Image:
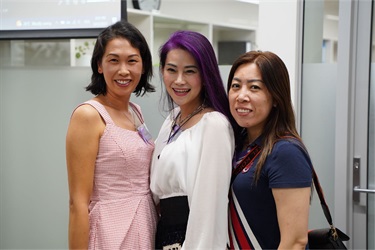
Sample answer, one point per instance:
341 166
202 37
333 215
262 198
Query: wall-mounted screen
58 18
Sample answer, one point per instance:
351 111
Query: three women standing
109 151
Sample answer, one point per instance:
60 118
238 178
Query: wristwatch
148 5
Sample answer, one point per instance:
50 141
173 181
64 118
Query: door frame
352 117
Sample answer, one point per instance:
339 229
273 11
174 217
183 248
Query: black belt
174 210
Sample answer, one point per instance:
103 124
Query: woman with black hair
108 149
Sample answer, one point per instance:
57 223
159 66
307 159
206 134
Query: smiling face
121 66
182 79
249 99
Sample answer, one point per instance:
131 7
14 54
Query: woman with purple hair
191 165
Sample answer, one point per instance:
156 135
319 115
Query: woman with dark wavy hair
270 192
108 149
191 164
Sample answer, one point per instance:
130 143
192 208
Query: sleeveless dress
122 214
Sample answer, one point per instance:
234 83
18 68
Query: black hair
121 29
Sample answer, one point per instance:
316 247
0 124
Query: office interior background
327 45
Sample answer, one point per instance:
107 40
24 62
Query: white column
279 32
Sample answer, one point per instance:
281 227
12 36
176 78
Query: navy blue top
288 166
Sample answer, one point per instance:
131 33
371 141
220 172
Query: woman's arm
208 194
292 205
82 142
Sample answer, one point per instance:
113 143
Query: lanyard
245 161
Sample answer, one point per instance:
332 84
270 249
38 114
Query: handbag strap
317 185
250 156
323 202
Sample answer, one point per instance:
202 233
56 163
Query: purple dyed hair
213 91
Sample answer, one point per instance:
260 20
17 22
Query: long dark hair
122 29
213 91
281 120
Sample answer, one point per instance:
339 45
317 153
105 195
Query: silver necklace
177 127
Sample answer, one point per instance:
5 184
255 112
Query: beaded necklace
175 129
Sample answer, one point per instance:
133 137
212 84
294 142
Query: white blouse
197 163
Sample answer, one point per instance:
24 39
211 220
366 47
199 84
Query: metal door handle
363 190
356 181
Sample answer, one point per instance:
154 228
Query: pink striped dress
122 213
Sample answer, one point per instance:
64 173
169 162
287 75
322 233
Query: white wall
279 32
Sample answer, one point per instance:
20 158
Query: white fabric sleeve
208 184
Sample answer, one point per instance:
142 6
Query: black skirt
171 229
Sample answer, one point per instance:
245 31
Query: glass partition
318 99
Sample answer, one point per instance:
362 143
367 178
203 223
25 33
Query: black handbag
325 238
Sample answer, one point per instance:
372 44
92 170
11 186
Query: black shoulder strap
245 161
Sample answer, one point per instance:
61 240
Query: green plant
84 49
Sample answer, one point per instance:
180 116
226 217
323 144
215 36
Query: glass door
318 99
338 112
363 199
